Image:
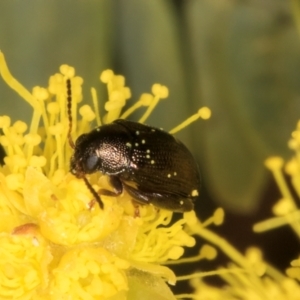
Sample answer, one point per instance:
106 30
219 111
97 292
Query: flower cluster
249 277
56 243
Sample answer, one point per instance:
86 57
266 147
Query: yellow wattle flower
248 276
21 275
56 243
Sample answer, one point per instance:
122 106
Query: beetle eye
91 163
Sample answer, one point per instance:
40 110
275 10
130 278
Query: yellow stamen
96 106
15 85
210 273
217 218
275 164
145 100
272 223
203 113
206 252
159 92
82 243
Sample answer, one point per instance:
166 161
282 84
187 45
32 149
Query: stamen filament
131 109
210 273
149 109
96 106
276 222
16 86
203 113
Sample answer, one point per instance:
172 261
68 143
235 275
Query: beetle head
84 159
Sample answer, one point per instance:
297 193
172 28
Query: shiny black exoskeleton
149 163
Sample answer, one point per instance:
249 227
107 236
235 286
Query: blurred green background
240 58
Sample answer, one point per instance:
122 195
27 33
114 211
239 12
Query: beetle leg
116 184
136 209
137 200
138 196
107 193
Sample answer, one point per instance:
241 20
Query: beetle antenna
94 193
69 111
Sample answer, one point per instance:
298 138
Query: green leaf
246 65
48 34
149 47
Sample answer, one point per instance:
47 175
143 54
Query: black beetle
147 162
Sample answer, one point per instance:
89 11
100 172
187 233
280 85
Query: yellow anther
283 207
40 93
87 113
56 84
56 129
295 263
185 239
294 273
218 216
116 96
292 167
208 252
77 94
118 81
76 86
255 257
160 91
53 108
293 144
116 101
126 92
37 161
4 121
254 254
190 218
77 81
107 268
20 127
175 252
296 135
204 113
106 76
274 163
4 141
32 139
14 181
146 99
68 71
114 104
16 139
15 161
